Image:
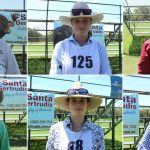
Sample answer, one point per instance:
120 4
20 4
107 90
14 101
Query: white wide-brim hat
95 18
61 102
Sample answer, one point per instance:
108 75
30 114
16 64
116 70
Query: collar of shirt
73 40
86 126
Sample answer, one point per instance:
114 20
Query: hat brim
94 102
67 19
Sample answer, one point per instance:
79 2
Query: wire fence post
113 124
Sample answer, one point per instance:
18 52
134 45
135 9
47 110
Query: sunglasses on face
77 92
77 12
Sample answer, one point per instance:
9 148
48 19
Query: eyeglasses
77 91
76 12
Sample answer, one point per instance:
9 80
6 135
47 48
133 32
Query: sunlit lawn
130 64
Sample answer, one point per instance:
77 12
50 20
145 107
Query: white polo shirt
8 63
71 58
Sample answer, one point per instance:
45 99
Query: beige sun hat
96 18
94 101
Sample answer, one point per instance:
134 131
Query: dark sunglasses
77 91
76 12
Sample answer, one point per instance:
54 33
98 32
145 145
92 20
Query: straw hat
61 102
4 21
96 18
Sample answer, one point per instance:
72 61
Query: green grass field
130 64
39 48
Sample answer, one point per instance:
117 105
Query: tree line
138 14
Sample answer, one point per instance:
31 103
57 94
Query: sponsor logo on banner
18 33
130 114
40 109
116 87
14 93
98 32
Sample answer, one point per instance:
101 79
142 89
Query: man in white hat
8 63
77 133
80 54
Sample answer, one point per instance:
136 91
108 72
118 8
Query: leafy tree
34 35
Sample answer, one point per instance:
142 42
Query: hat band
77 12
81 91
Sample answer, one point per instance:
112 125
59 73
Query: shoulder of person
97 42
2 42
61 43
95 127
56 125
4 45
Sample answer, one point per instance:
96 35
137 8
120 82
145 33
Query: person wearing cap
144 144
80 53
4 140
77 132
144 62
8 63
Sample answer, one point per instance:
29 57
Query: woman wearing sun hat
77 133
80 53
8 63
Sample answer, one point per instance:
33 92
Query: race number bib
82 61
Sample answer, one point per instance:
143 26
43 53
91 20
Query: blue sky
42 5
11 4
138 84
67 7
129 83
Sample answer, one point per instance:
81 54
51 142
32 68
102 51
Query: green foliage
38 144
37 66
17 134
127 39
136 45
138 14
114 63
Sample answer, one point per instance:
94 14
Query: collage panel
74 112
42 107
60 42
136 37
13 37
136 112
13 114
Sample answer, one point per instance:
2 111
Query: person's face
5 28
78 106
81 26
